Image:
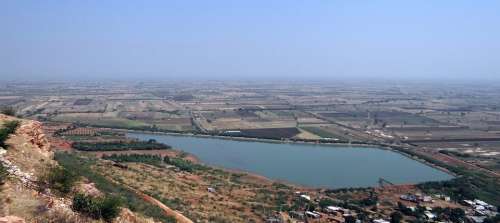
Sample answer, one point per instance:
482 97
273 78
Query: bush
109 208
60 179
350 219
86 205
325 202
370 201
405 210
396 217
7 129
106 208
3 174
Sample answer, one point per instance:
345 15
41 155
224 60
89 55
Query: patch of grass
106 208
59 179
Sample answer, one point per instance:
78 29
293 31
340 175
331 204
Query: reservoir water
305 164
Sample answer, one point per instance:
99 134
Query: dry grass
232 202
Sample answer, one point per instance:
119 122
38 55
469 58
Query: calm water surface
308 165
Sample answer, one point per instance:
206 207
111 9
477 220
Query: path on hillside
168 211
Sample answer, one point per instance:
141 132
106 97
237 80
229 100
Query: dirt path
168 211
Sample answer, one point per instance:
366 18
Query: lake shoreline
371 146
393 148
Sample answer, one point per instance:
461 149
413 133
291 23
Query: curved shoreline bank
392 148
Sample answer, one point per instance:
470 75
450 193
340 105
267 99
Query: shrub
405 210
396 217
7 129
350 219
109 208
106 208
86 205
3 174
60 179
325 202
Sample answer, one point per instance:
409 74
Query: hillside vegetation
35 188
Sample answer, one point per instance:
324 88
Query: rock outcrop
32 131
25 158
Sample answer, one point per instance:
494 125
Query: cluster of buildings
479 210
327 214
476 211
417 198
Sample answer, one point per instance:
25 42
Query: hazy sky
212 39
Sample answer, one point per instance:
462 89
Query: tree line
120 145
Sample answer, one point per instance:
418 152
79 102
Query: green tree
396 217
311 207
350 219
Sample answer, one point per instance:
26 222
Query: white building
306 197
429 215
331 209
312 214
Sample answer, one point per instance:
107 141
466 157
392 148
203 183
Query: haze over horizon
76 40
